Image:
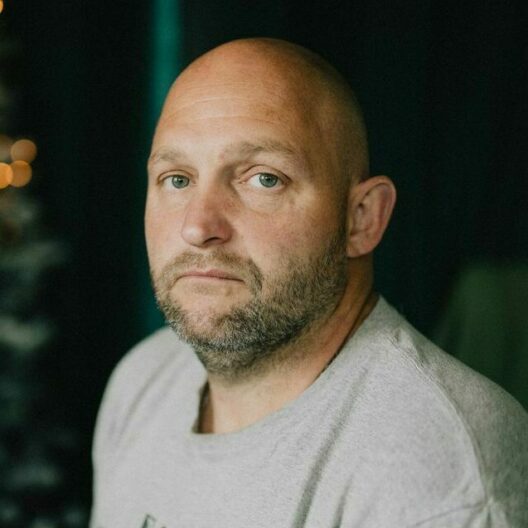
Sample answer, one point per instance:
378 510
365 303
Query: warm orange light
5 147
6 175
23 150
1 6
21 173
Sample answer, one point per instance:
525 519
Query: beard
248 339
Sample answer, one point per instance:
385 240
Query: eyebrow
244 149
165 154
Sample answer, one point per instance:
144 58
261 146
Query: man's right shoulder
143 363
139 380
158 348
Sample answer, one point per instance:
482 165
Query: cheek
273 242
161 236
295 236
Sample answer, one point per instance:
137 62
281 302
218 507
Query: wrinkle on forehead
211 107
288 122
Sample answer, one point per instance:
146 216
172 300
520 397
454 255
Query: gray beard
249 338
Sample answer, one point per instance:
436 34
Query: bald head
300 80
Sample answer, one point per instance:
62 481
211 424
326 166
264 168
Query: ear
370 207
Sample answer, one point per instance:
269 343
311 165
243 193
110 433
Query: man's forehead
250 106
236 150
209 96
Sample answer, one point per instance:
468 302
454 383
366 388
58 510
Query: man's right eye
178 181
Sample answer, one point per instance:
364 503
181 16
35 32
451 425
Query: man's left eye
265 179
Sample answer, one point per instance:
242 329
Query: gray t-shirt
394 434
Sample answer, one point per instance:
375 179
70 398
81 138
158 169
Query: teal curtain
165 64
166 52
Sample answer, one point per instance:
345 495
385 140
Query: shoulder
137 382
149 355
470 396
465 425
474 400
139 366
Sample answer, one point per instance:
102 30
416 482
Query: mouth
212 274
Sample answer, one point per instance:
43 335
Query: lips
211 274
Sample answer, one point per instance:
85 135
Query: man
291 395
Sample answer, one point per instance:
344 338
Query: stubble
283 307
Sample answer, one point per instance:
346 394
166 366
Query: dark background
444 87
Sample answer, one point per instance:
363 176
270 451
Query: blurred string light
6 175
21 173
15 159
23 150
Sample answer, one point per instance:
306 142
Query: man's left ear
369 210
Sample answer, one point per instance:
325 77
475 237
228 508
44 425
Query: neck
229 407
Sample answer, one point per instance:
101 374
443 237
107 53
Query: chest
161 480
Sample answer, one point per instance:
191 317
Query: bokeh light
23 150
5 147
1 6
6 175
21 173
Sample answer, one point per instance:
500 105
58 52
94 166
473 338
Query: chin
200 326
202 315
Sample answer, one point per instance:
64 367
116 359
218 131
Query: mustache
246 269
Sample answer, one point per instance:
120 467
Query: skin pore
260 222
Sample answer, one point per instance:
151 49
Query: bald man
285 392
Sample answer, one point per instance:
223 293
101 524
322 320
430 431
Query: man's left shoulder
465 390
476 399
494 423
462 439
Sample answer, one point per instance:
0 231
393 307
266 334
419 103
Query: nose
205 222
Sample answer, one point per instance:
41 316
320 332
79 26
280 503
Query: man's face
245 216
